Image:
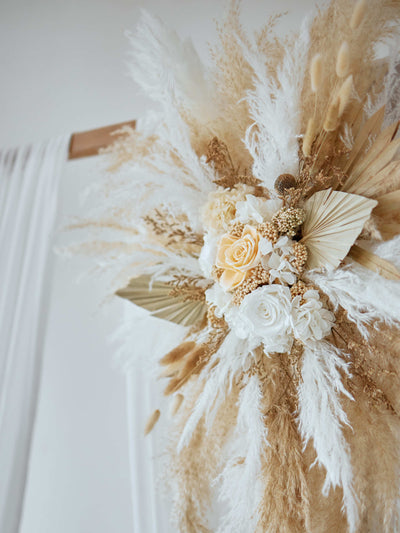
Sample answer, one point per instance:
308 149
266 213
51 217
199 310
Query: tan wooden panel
87 143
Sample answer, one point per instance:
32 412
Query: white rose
265 314
311 321
256 210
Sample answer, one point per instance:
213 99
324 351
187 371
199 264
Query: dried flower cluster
259 210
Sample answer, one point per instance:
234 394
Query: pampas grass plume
316 72
309 137
151 422
345 94
343 60
358 14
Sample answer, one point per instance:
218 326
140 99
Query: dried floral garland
259 208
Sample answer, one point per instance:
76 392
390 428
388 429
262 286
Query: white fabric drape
29 179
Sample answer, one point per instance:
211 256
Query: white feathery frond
240 487
355 288
274 105
166 67
232 357
321 418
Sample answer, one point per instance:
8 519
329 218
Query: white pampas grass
167 68
321 418
274 105
232 358
240 488
366 297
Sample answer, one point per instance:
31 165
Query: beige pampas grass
316 72
176 403
177 353
332 116
358 14
345 94
343 60
285 504
151 422
309 137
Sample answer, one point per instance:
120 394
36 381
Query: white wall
62 65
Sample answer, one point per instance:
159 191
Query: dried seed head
256 277
345 94
151 422
213 319
358 14
176 403
300 256
316 72
343 60
269 231
236 229
285 181
309 136
332 116
287 220
298 289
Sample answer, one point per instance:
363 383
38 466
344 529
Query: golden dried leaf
389 230
370 128
376 173
375 263
382 140
156 298
334 220
388 205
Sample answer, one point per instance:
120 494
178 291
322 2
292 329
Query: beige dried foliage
129 145
309 137
191 473
374 263
331 121
285 503
316 72
343 60
233 77
380 20
151 422
177 401
358 14
344 94
374 419
177 353
333 222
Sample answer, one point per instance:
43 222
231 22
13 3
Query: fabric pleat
29 184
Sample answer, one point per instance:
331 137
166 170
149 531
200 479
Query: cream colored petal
231 279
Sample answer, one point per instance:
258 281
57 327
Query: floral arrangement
259 208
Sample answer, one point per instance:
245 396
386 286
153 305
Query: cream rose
220 209
236 256
266 314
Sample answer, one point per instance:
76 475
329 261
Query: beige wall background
63 69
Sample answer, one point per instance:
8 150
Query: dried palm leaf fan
259 209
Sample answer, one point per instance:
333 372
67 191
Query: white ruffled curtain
29 180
